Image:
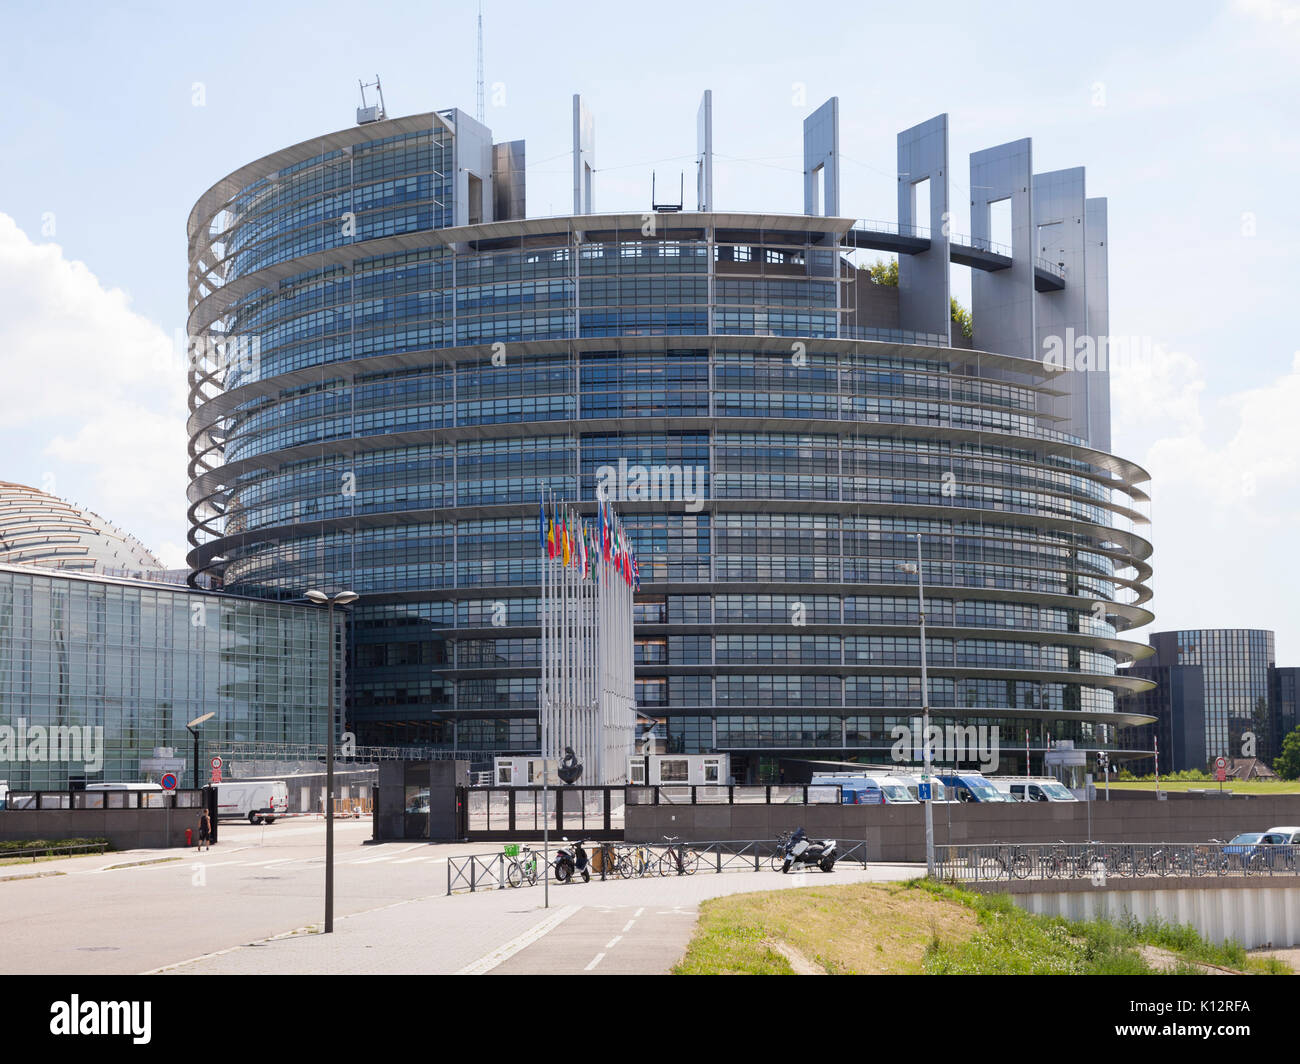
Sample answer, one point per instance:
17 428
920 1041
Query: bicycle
637 861
778 857
677 859
1003 865
523 866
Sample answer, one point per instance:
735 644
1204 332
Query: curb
136 864
32 875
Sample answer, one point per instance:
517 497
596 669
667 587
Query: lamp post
925 708
190 727
342 598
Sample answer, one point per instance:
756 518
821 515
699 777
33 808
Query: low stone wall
125 829
897 832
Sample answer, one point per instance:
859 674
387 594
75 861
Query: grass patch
1244 787
939 929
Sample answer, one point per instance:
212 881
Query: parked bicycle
523 866
778 855
677 859
1002 864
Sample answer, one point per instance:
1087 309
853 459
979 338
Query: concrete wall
1254 912
126 829
897 832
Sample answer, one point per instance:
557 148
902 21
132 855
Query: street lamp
907 567
190 727
342 598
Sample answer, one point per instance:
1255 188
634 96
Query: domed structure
37 528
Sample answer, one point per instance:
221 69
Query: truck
261 801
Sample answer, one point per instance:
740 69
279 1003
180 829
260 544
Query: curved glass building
393 361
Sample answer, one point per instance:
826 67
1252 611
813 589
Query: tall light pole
190 727
925 709
342 598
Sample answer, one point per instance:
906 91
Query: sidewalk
438 935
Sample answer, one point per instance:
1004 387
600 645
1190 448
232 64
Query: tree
883 272
1287 763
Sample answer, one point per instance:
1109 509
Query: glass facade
1235 663
137 662
415 393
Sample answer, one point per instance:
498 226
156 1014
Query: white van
1034 789
132 788
893 789
1292 835
938 793
261 801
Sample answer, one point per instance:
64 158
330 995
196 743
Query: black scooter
566 863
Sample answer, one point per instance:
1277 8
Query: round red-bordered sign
169 781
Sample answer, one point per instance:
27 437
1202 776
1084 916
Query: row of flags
566 536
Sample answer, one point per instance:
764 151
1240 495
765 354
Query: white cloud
1226 503
93 399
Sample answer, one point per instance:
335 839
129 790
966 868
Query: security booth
697 770
524 771
420 800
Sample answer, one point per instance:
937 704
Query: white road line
628 926
638 912
387 856
594 961
267 864
505 952
414 860
613 942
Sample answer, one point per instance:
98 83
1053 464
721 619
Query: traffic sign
923 791
216 764
169 781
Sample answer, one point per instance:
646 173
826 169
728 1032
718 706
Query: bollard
718 855
449 877
473 870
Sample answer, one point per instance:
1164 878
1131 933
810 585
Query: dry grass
860 928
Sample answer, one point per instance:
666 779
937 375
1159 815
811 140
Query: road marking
628 926
387 856
638 912
595 961
613 942
267 864
414 860
503 953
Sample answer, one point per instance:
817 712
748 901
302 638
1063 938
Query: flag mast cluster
587 695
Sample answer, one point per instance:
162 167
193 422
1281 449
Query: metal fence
1101 862
27 800
497 871
55 849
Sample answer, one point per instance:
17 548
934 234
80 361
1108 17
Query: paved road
95 918
245 907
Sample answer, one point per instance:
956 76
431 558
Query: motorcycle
567 862
801 850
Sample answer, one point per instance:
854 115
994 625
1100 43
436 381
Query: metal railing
27 800
639 860
54 849
1101 862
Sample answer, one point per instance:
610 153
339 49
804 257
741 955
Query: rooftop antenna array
366 113
667 208
480 113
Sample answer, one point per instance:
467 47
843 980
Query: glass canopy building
394 361
129 663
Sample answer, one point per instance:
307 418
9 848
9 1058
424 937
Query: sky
117 118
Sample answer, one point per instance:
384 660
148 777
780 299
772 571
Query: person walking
205 831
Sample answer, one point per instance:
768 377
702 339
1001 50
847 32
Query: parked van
1291 835
858 792
261 801
938 792
972 787
1035 789
133 788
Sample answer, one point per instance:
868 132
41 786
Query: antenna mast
480 61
